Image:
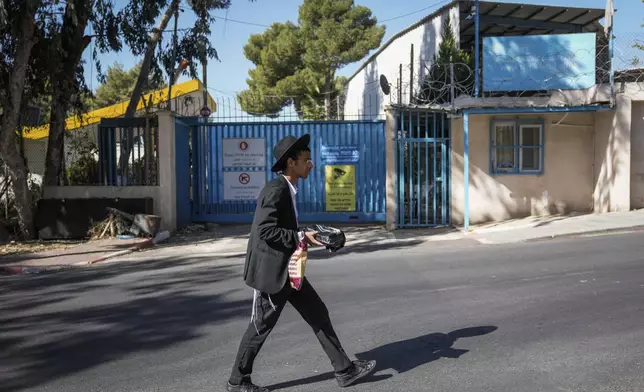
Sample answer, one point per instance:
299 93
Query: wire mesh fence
230 109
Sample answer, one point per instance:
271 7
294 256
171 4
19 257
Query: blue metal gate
423 167
231 163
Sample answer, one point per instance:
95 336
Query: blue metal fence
231 162
423 167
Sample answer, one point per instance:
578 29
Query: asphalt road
564 315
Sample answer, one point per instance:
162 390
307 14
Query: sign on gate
340 188
339 155
243 185
244 152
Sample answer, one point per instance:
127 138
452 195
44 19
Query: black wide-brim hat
285 146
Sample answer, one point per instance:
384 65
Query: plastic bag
297 265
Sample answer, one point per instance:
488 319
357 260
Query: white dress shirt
293 190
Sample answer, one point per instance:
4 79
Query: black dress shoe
357 370
245 386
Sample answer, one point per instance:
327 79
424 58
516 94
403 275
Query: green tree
296 64
436 87
18 36
138 18
119 85
40 66
66 79
142 25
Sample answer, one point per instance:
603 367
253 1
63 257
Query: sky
235 25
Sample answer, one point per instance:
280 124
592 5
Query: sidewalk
535 228
230 240
57 258
538 229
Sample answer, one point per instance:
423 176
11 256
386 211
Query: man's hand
309 237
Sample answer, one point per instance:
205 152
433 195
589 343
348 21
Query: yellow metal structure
118 110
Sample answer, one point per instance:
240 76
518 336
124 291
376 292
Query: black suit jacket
273 238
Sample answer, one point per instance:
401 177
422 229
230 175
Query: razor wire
560 78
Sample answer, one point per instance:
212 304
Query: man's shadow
404 355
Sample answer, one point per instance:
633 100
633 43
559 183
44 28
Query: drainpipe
466 172
477 52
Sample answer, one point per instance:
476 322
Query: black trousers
267 310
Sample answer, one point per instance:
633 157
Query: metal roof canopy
511 19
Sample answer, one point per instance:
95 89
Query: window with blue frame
516 146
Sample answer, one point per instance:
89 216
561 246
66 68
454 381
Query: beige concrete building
549 118
592 162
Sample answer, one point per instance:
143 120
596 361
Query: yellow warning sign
340 188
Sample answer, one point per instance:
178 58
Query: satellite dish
384 85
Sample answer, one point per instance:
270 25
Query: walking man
273 238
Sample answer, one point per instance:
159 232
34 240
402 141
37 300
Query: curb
136 247
617 230
25 270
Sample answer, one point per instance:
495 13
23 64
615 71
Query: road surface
564 315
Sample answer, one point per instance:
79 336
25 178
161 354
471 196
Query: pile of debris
119 224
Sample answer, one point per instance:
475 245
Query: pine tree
436 86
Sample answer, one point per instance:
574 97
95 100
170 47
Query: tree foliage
119 84
296 64
66 72
41 43
41 46
142 25
640 45
138 19
436 87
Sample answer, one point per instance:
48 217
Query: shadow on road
365 247
404 355
361 248
146 313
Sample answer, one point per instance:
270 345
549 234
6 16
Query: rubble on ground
119 223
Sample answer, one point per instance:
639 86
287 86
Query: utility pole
205 110
174 57
204 63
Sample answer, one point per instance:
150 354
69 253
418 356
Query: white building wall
364 96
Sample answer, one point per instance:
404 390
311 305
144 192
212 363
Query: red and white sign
243 185
244 178
241 153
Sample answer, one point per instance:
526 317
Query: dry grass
16 248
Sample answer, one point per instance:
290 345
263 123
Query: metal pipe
466 172
611 45
477 52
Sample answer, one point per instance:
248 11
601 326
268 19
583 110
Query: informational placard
243 185
244 152
340 188
339 155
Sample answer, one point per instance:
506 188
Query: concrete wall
637 154
565 185
612 191
164 195
364 96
